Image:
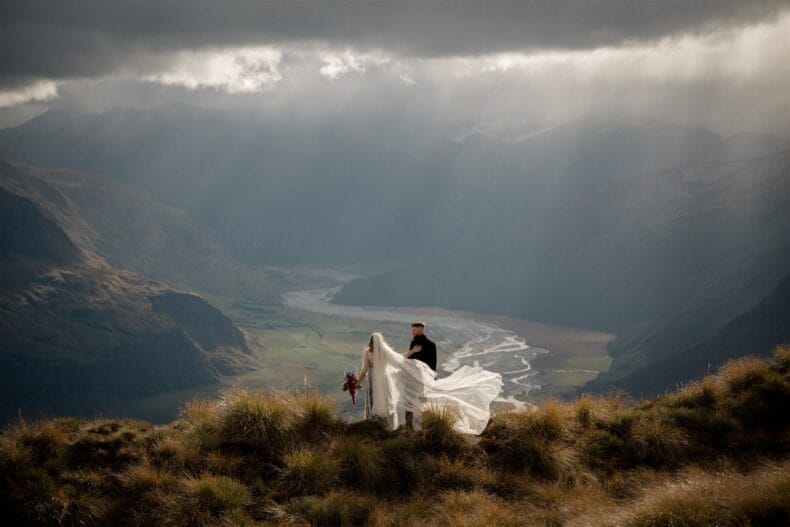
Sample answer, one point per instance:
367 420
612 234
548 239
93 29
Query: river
459 340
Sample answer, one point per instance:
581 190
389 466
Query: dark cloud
62 40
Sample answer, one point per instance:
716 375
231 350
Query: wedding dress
398 384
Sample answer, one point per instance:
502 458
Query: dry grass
696 498
712 453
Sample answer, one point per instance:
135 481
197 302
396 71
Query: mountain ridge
77 335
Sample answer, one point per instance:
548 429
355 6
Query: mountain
657 232
133 231
755 332
279 191
664 259
76 335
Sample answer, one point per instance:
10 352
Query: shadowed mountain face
76 335
27 236
755 332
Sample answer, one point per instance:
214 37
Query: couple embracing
399 388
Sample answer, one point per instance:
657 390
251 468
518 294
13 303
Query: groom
421 348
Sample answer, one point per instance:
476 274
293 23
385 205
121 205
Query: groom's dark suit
428 352
427 355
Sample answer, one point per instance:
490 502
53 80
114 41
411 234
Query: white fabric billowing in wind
401 384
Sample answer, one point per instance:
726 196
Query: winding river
459 340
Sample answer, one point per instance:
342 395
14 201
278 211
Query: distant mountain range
76 333
660 233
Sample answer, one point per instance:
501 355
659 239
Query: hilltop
712 453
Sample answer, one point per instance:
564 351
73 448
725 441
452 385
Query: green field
303 347
299 349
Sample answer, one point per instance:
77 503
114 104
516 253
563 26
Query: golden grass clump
246 422
207 500
437 433
317 415
754 391
700 499
657 443
472 509
698 394
44 440
781 356
457 474
341 508
360 462
144 478
533 441
308 471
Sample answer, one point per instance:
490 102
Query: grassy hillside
713 453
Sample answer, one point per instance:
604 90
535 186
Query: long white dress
398 384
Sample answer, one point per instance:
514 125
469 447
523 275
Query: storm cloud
721 64
62 40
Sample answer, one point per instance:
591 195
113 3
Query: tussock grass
309 471
144 478
697 498
252 422
317 415
335 508
436 434
534 441
714 452
472 509
360 462
217 494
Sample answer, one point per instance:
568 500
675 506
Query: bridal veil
400 384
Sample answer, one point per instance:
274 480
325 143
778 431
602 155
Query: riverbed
460 340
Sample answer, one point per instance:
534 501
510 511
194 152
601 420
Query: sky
720 64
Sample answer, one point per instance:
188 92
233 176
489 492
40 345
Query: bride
397 384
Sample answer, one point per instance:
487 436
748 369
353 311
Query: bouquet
350 384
